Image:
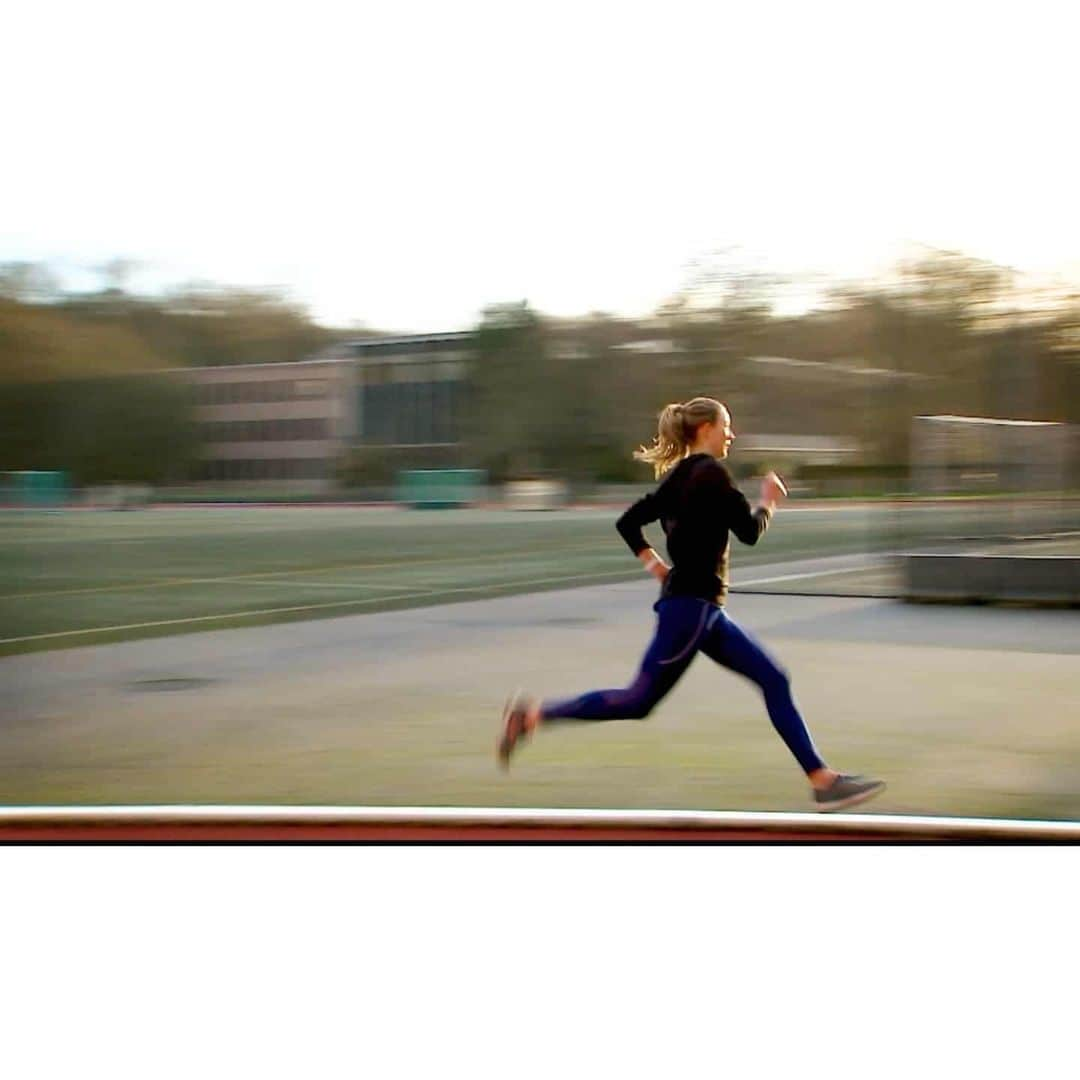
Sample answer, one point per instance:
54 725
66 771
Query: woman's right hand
654 564
772 489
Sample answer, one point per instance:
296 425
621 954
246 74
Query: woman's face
719 436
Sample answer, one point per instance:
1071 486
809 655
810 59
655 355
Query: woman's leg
728 644
680 627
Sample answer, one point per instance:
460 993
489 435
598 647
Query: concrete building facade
290 424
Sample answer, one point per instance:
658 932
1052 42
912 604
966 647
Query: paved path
966 710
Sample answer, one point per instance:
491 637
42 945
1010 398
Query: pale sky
403 164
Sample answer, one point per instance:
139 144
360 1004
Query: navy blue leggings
686 626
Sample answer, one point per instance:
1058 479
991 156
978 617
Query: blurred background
937 407
306 332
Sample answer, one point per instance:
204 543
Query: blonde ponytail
675 430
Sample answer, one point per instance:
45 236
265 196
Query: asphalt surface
354 643
965 710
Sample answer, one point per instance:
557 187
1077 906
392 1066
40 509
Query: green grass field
85 577
88 577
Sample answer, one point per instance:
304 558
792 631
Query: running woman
698 506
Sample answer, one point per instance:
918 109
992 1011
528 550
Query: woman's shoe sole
851 800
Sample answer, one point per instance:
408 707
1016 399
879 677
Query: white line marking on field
807 574
322 585
164 583
311 607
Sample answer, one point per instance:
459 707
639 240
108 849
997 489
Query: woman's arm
631 523
654 564
748 524
634 519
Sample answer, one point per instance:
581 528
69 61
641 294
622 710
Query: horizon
789 298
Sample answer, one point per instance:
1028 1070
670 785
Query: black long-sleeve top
698 506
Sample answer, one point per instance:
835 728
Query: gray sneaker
847 791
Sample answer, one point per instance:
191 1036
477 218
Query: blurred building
290 424
279 422
401 399
408 391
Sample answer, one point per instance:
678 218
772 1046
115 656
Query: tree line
943 334
83 390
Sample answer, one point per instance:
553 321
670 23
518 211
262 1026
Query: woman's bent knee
640 698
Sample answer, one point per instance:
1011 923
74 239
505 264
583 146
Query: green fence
433 489
34 490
